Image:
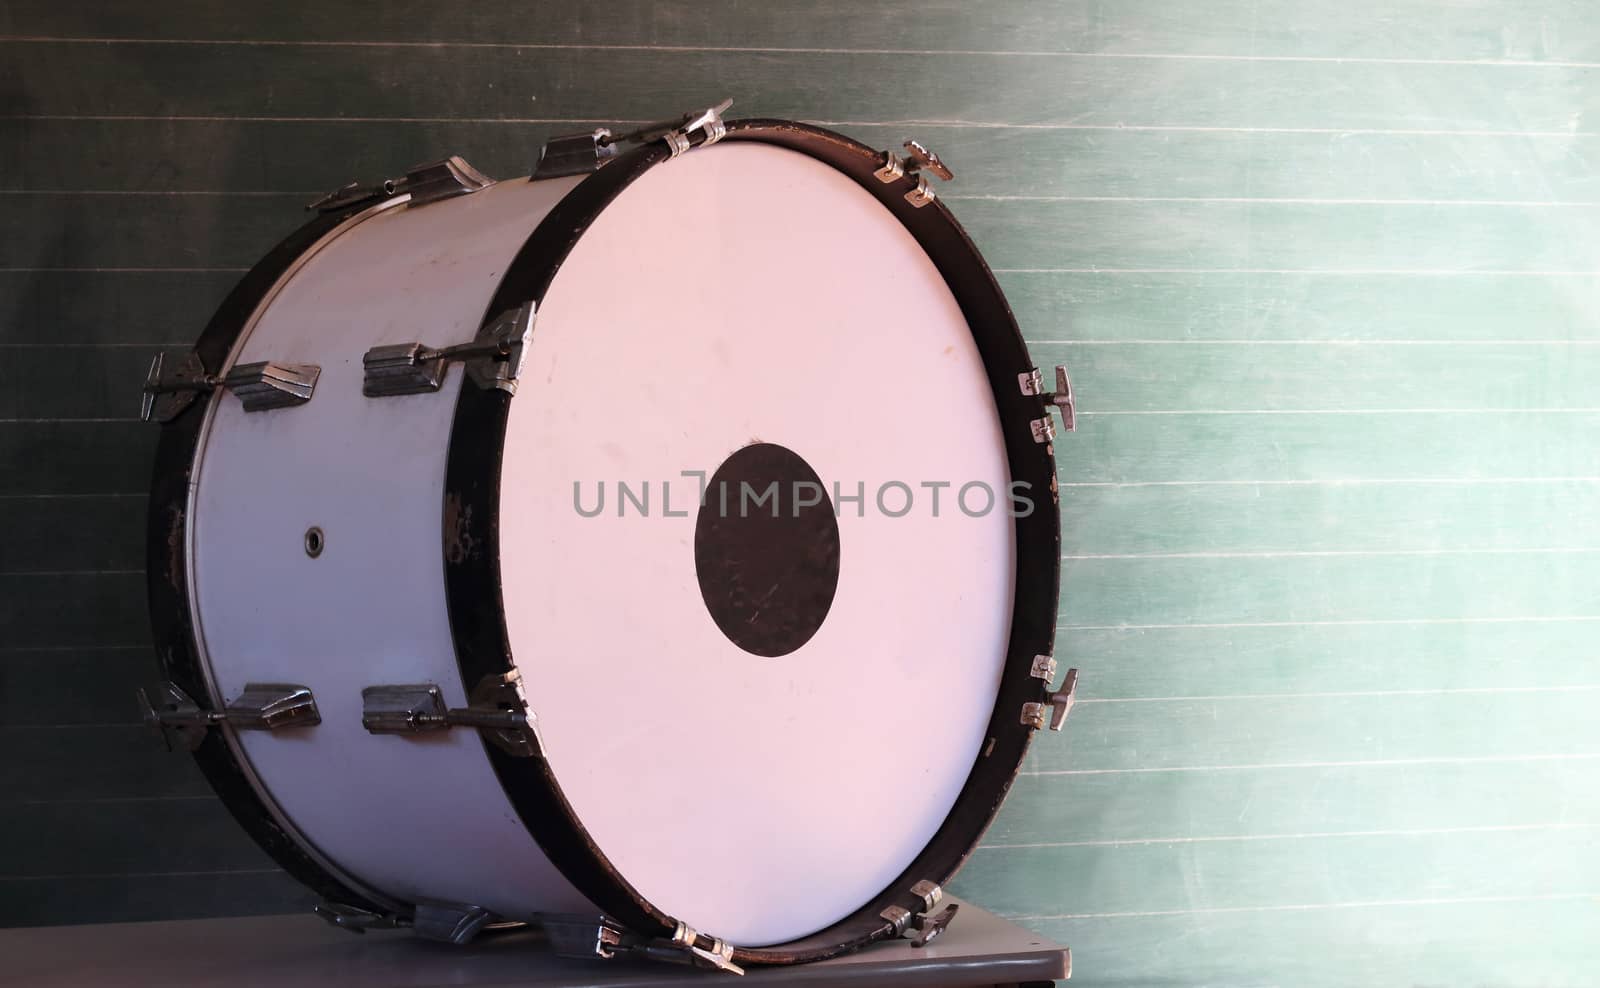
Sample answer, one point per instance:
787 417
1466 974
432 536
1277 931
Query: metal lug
493 359
575 154
495 708
898 917
1043 429
1044 667
922 194
396 709
270 706
261 707
354 920
449 922
166 395
443 179
581 937
924 924
265 385
401 369
893 167
426 183
1055 709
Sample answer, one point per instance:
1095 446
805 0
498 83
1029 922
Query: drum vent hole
313 542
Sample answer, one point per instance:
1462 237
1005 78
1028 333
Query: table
979 948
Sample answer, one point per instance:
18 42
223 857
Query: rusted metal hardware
261 707
924 924
1056 707
678 133
166 394
578 154
919 162
356 920
425 183
1032 383
493 359
495 708
449 922
576 936
266 384
260 386
575 154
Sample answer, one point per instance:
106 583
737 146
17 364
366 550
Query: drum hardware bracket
575 154
919 161
495 708
1055 708
585 938
261 707
1032 384
260 386
579 154
923 924
165 396
679 133
429 182
683 947
493 359
264 385
1044 667
582 937
356 920
442 179
449 922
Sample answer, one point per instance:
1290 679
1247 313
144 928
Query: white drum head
746 294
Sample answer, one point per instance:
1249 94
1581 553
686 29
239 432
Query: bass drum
663 549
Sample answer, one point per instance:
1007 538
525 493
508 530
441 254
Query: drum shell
369 607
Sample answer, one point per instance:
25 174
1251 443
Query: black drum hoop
472 555
167 570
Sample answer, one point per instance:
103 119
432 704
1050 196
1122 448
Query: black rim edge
472 566
166 567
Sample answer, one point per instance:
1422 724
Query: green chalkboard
1327 276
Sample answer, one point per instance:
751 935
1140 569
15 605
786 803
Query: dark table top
978 948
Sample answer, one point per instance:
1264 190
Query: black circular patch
766 549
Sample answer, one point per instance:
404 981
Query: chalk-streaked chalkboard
1327 278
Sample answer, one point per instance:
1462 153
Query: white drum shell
412 817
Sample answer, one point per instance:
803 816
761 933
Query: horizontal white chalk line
1312 835
1302 766
1310 906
